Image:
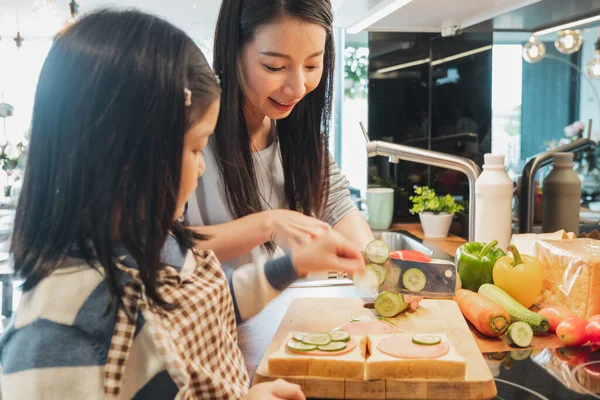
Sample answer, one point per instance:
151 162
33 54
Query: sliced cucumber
298 346
339 336
520 334
333 346
520 355
318 339
298 336
368 280
426 339
393 277
377 252
380 271
389 304
414 280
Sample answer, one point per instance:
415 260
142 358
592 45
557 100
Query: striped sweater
57 343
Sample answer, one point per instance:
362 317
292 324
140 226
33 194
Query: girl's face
281 65
195 140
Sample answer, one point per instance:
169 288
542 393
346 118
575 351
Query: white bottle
493 202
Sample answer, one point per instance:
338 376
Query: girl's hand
276 390
329 251
290 229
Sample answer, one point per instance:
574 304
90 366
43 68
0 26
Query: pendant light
18 39
568 41
534 50
593 67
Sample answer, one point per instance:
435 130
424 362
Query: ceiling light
403 66
534 50
461 55
568 25
593 67
568 41
384 11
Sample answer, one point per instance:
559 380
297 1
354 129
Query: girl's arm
355 227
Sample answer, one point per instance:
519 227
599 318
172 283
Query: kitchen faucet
529 171
397 152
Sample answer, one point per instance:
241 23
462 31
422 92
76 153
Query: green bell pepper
475 263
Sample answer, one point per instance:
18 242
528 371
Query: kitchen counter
542 375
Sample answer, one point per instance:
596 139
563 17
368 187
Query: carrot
489 318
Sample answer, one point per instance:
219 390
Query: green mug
380 206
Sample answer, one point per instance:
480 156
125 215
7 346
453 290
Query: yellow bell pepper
520 276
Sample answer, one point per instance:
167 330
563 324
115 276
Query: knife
434 279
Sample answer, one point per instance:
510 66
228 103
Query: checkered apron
197 340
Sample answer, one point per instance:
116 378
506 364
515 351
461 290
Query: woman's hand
328 252
413 301
290 229
276 390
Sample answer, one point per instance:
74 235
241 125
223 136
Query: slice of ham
365 327
402 346
350 345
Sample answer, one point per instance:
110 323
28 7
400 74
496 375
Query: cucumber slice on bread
333 346
318 339
339 336
300 347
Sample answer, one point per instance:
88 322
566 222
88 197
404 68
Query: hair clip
188 97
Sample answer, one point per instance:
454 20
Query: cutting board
442 316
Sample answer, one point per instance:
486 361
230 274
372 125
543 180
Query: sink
395 239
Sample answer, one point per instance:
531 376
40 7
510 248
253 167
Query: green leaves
426 200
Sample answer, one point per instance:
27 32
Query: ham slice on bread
396 356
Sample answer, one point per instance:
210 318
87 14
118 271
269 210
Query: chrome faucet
397 152
533 165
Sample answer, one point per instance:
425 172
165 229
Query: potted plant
435 212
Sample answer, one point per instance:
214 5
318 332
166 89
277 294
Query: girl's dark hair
303 135
106 145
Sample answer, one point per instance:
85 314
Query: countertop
541 374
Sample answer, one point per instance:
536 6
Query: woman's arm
340 211
355 227
232 239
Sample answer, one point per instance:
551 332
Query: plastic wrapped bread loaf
571 274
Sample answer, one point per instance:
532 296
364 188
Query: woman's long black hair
303 135
106 145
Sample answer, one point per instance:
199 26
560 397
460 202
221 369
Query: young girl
115 303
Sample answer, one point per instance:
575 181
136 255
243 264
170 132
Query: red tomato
573 355
592 331
594 318
556 315
571 331
593 369
410 255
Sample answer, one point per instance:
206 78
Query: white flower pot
435 225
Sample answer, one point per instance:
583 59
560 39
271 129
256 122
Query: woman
117 303
271 179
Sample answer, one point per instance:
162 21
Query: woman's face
195 140
281 65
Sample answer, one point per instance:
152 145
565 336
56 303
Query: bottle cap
562 158
493 160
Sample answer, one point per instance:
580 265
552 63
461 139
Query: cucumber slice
339 336
298 336
389 304
298 346
333 346
426 339
520 334
393 277
318 339
380 271
414 280
368 280
520 355
377 251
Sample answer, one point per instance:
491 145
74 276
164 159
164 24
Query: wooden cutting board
442 316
